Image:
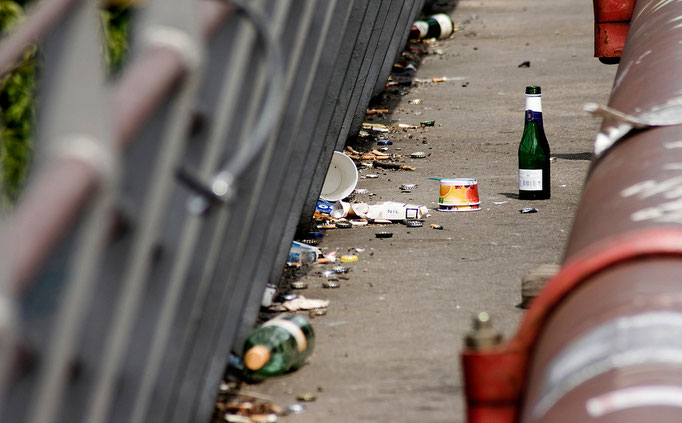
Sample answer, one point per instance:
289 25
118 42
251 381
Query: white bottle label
534 102
423 28
293 329
530 179
445 24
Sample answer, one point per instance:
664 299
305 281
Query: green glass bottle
278 346
438 26
534 178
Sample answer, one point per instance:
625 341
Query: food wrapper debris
376 127
303 253
303 303
388 210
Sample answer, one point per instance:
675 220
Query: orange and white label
293 329
462 192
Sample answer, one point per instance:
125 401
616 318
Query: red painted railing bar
46 212
39 23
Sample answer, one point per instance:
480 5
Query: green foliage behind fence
18 94
17 113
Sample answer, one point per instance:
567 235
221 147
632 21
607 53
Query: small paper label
533 115
445 24
293 329
530 179
423 28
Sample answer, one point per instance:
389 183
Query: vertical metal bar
74 103
8 322
337 70
411 9
289 153
211 231
343 103
298 24
388 31
225 106
177 24
368 69
184 403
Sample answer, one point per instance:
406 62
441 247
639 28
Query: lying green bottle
439 26
280 345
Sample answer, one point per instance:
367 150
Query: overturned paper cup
341 179
459 194
341 209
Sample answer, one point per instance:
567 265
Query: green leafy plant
17 113
18 93
116 28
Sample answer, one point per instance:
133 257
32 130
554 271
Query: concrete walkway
387 351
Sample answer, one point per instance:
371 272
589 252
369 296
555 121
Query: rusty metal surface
609 38
611 24
631 289
624 192
595 400
613 10
636 183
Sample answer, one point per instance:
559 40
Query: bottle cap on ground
331 283
299 285
296 408
257 357
306 397
533 90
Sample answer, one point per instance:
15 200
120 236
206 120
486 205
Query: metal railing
161 203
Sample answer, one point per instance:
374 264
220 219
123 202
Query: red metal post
611 24
492 395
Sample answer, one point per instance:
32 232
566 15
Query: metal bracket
621 124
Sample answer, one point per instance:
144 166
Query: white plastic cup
341 179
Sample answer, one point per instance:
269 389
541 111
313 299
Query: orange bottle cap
257 357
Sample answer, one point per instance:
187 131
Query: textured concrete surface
388 348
